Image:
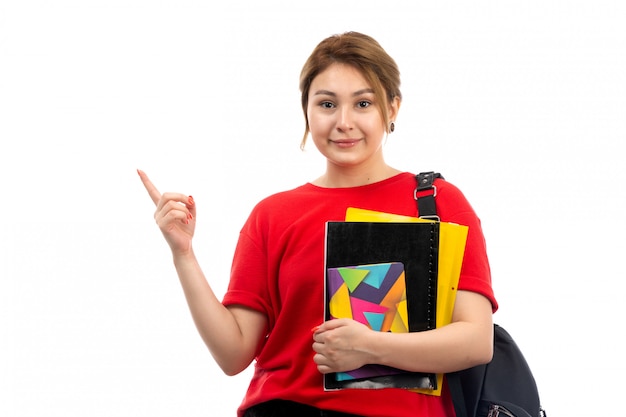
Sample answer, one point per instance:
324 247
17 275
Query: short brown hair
363 53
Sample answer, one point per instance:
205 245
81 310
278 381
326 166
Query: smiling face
345 118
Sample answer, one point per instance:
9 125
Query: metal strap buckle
432 217
425 193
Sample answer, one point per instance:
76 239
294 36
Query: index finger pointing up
155 195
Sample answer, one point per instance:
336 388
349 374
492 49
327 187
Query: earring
392 127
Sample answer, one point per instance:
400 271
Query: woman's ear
394 108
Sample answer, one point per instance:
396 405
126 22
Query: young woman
272 311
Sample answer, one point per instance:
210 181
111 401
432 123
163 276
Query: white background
520 104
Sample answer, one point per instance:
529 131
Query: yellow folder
452 239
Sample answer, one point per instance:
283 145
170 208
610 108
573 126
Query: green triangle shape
352 277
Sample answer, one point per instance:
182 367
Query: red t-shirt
278 269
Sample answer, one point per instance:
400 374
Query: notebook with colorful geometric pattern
383 275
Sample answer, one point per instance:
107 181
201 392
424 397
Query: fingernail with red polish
190 201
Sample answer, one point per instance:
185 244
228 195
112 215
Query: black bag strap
424 194
456 392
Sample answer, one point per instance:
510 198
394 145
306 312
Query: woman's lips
345 143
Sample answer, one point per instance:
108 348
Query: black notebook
385 276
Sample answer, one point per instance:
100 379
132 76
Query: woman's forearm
466 342
232 346
450 348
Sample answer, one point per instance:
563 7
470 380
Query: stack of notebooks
394 274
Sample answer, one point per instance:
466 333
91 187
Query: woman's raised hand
175 214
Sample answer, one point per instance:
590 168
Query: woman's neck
342 177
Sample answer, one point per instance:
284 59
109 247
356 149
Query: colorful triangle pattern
374 295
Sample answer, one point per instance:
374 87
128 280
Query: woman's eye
326 105
363 104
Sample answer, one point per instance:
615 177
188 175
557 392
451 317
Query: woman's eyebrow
324 93
363 91
356 93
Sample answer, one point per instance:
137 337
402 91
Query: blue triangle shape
375 320
377 274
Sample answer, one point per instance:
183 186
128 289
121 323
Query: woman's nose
344 122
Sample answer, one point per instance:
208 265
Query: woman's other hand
175 215
340 345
